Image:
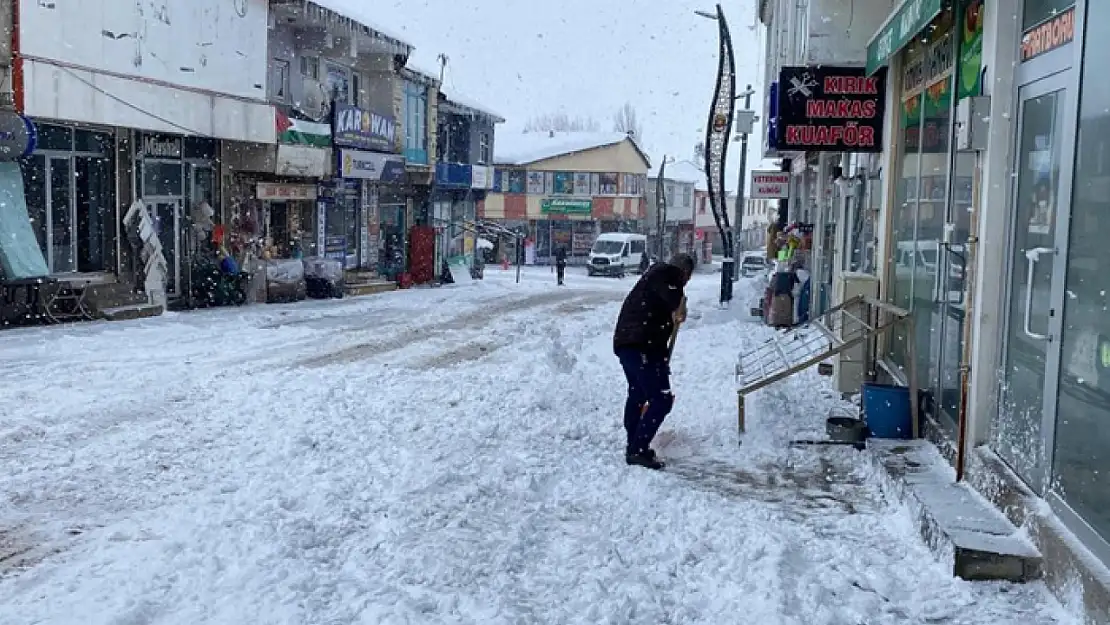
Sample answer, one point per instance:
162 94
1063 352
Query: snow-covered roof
681 171
686 171
357 10
521 148
469 105
420 75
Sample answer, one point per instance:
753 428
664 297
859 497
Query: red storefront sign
830 109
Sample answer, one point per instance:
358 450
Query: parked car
616 253
752 265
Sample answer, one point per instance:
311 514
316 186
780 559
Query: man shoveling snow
642 341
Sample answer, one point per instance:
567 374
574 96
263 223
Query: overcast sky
523 58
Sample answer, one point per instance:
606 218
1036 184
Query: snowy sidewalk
442 456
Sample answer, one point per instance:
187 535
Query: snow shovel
670 345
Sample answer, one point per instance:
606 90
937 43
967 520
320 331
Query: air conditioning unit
850 366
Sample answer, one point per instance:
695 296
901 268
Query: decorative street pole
716 146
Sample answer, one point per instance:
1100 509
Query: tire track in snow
464 321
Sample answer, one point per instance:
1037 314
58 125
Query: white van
616 253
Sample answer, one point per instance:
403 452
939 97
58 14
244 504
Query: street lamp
721 114
743 127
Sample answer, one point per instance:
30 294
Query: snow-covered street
449 455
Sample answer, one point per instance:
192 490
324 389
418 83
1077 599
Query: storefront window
1081 462
920 280
903 251
416 128
1037 11
70 193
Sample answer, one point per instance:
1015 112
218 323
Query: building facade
684 195
981 215
338 160
121 119
756 216
564 189
464 174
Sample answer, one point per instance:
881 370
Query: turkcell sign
770 185
373 166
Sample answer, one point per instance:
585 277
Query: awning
904 23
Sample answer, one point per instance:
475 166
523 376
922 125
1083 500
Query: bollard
740 425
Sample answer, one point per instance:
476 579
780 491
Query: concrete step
131 311
108 295
958 523
369 287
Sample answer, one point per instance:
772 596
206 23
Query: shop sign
971 50
1048 36
155 146
302 161
366 130
18 136
372 166
336 249
481 177
927 69
830 109
566 207
903 25
770 185
453 176
279 191
773 116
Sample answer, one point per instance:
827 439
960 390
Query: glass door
166 214
1027 397
951 284
62 216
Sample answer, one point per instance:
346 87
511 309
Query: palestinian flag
301 132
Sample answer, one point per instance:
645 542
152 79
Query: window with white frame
279 80
416 122
358 87
339 83
310 67
485 154
687 195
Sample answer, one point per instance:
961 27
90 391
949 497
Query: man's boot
644 459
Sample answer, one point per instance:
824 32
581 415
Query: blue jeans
648 382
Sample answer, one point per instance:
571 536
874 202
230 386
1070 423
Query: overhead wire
131 105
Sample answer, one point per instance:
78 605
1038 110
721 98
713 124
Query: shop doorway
166 214
1040 210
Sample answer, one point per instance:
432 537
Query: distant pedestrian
560 264
645 262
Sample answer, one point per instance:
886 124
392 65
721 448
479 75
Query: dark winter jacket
646 319
561 257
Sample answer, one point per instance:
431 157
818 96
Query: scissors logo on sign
803 85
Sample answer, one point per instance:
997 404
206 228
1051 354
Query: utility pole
442 58
739 225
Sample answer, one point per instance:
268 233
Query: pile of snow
450 455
